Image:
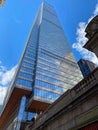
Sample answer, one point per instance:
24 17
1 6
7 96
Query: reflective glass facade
56 68
27 66
47 65
46 70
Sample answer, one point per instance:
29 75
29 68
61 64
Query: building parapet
66 101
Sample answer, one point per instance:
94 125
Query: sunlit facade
46 70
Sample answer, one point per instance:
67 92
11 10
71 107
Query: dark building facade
86 67
92 35
46 70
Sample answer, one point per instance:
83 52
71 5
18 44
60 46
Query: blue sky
16 18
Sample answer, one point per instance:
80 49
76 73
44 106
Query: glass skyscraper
86 67
46 69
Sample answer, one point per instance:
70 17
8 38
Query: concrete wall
77 108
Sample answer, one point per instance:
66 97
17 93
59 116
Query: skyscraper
46 70
86 67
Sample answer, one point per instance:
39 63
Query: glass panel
45 94
25 75
24 82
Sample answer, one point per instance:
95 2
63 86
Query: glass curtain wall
56 69
27 67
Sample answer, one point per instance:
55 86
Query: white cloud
96 10
3 91
5 78
81 39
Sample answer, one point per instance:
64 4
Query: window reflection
24 82
45 94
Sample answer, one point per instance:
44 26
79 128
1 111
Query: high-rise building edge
46 70
86 67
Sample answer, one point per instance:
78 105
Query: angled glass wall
46 69
27 67
47 66
56 69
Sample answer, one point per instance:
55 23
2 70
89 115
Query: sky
16 19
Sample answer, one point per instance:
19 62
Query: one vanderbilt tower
46 70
